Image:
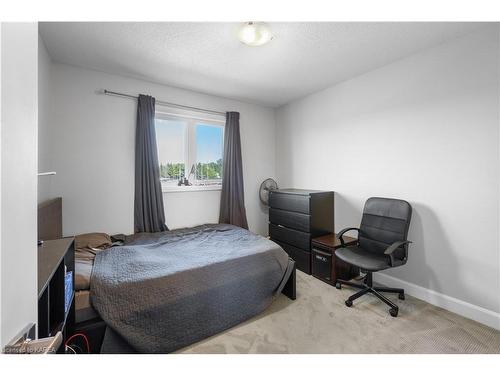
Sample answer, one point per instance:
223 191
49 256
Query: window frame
192 120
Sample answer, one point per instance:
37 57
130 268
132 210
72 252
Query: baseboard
468 310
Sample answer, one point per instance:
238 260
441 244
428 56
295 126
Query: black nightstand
325 265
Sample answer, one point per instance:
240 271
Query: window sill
178 189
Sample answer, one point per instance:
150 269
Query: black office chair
381 244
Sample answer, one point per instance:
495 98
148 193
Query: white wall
18 230
1 125
186 209
425 129
91 142
44 154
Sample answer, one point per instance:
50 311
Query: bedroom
195 177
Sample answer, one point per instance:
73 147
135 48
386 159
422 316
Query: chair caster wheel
401 296
394 312
348 303
338 285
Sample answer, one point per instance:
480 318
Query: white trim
466 309
177 189
167 115
1 212
190 147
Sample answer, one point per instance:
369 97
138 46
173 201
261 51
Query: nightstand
325 265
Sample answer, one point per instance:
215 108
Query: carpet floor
319 322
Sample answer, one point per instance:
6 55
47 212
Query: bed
159 292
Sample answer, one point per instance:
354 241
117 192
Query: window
189 148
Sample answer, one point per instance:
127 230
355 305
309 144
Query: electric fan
266 186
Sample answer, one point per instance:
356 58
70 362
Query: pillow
92 240
89 244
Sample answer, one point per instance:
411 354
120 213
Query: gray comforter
163 291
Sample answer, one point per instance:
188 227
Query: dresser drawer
292 237
289 202
302 258
290 219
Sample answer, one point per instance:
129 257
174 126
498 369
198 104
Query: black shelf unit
55 259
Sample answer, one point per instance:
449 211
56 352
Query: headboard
50 219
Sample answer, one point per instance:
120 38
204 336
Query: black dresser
296 216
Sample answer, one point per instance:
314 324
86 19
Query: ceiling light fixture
255 34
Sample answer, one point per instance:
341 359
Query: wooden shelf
50 254
55 259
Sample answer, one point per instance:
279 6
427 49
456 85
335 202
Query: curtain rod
167 104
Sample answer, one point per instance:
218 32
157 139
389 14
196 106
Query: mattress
86 247
83 272
83 309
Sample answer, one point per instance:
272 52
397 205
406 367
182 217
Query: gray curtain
149 215
232 201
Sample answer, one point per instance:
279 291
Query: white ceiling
207 57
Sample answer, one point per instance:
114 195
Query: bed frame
50 219
290 288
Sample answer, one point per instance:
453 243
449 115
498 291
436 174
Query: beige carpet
319 322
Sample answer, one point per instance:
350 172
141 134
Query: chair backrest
384 222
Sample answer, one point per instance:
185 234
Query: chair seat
363 259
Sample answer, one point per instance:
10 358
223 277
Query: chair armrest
391 249
342 232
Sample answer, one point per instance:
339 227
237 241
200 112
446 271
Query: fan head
266 186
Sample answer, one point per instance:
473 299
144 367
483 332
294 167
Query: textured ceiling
207 57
